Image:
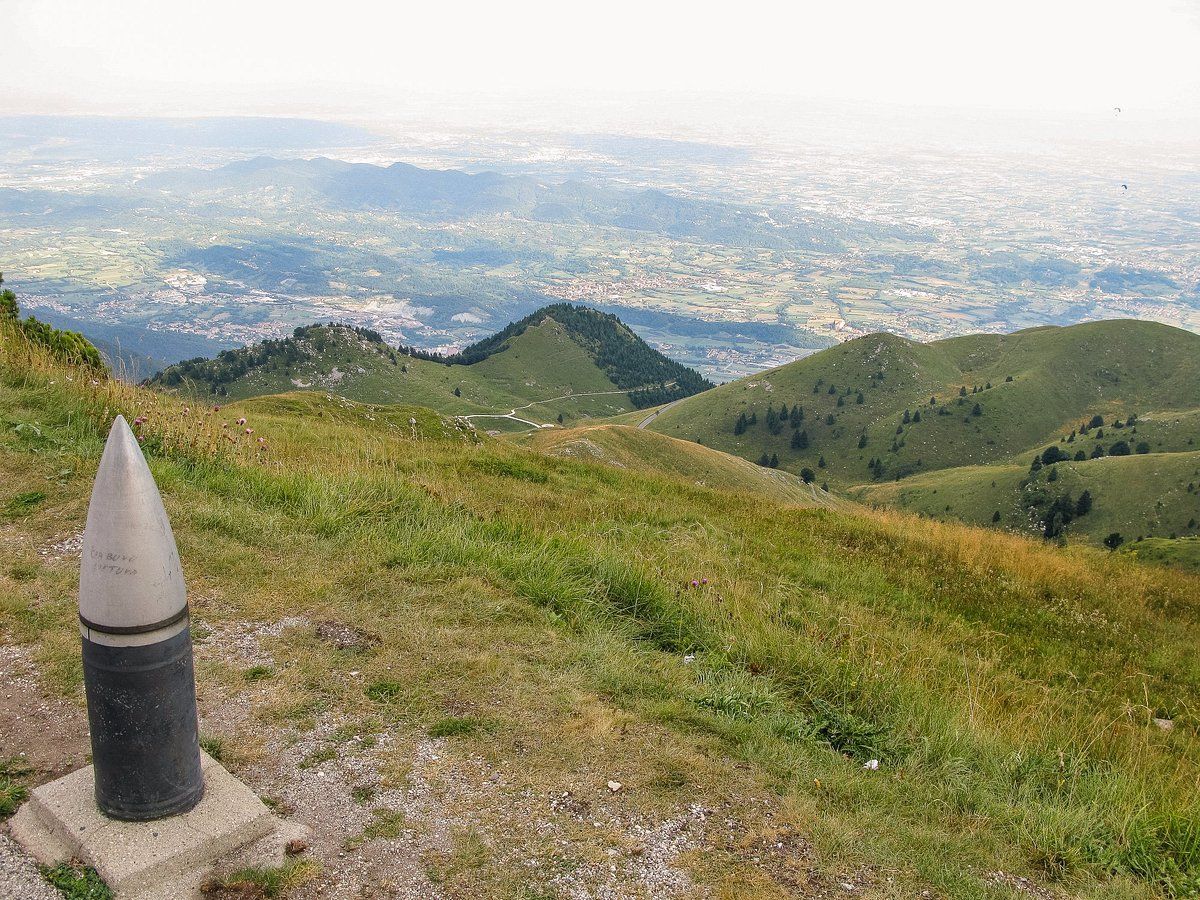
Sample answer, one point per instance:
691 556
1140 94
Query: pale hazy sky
295 57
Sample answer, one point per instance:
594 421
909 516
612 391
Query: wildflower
186 410
224 424
216 409
704 581
242 420
141 437
140 420
249 431
695 583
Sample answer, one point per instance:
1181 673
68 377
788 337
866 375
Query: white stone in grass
614 786
871 765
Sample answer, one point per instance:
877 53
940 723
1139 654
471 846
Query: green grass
461 726
629 448
213 746
12 789
385 823
24 503
1008 688
266 883
1183 552
77 883
1136 495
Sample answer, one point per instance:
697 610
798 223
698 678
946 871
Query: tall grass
1009 690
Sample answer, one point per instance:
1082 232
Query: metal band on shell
134 629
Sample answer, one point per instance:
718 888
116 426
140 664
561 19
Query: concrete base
168 859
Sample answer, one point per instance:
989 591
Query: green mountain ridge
883 410
560 360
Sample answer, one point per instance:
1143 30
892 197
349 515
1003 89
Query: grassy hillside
562 360
643 451
1183 552
881 408
438 649
1136 495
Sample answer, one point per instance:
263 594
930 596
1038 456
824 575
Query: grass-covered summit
438 649
561 360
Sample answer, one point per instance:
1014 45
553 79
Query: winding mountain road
512 413
658 412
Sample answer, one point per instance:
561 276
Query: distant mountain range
441 194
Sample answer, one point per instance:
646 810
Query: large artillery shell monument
153 814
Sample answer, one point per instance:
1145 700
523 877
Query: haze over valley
732 252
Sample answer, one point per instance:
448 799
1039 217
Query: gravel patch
68 548
1021 885
240 643
19 875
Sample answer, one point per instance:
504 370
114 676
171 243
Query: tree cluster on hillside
282 353
631 364
626 359
1057 511
69 345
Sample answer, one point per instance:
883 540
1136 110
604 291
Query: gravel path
19 877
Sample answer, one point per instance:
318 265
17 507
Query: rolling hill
562 360
487 669
890 418
640 450
1156 494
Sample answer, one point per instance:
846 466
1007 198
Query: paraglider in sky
1124 187
1117 110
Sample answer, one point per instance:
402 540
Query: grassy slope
1061 376
1183 552
1006 687
1134 495
641 450
541 364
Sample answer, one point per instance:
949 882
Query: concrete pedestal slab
167 859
